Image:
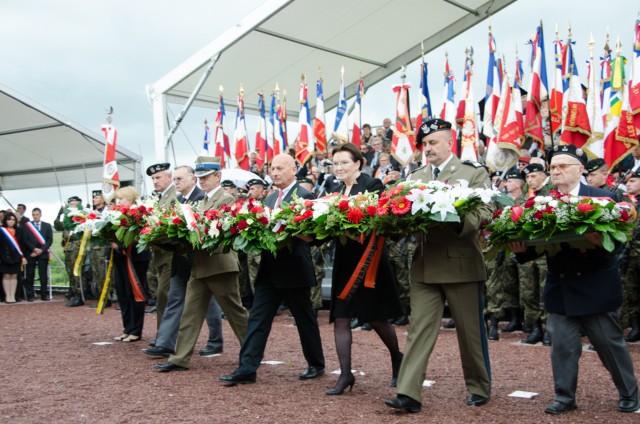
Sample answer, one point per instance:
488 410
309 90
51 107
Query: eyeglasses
562 166
342 164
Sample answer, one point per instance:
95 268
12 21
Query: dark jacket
181 265
581 282
30 241
8 254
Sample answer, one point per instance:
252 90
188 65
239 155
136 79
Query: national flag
575 128
304 143
319 125
634 86
110 176
426 110
557 90
279 145
222 147
538 90
403 140
595 145
340 128
205 141
448 111
271 128
261 135
241 151
503 153
619 129
283 122
469 130
356 131
492 96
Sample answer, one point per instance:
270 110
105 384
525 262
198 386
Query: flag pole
553 143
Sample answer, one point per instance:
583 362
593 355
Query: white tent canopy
284 38
41 149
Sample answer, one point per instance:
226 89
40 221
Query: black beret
305 180
228 183
531 168
431 126
95 193
157 168
256 181
513 175
494 174
74 198
594 164
396 168
571 150
635 174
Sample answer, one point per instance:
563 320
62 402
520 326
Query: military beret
95 193
74 199
206 165
494 174
524 159
228 183
243 191
594 164
257 181
635 174
513 175
396 168
157 168
533 167
571 150
305 180
431 126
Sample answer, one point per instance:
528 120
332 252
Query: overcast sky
78 57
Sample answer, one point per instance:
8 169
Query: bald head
283 171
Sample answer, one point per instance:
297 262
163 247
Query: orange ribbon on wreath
367 267
138 294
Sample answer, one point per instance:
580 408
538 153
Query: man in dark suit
286 277
38 237
185 182
582 294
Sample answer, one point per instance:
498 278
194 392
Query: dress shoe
534 337
557 407
450 324
76 301
403 320
238 378
31 298
169 366
629 405
210 351
158 352
354 323
404 403
152 343
311 372
366 327
476 400
342 384
151 310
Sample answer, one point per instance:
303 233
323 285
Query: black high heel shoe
395 369
339 389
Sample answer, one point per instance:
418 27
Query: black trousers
266 300
132 311
42 264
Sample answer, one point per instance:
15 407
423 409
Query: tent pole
192 98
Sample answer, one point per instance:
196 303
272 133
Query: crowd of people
555 299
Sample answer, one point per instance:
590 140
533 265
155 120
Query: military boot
515 324
536 335
76 301
493 328
450 324
404 318
634 334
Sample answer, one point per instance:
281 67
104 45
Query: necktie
436 172
280 196
38 226
159 196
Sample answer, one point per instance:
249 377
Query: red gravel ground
53 372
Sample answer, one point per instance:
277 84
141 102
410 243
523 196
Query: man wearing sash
38 237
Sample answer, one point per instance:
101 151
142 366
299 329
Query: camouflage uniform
630 313
318 266
253 261
71 245
98 250
401 256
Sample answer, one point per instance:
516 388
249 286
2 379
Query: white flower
250 221
420 199
553 203
319 208
463 183
213 229
442 204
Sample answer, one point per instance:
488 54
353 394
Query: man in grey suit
166 337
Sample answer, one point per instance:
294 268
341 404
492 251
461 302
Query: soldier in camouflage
71 245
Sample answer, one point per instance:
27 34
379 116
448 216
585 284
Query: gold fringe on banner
105 286
77 268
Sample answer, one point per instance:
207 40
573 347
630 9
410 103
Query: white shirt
442 166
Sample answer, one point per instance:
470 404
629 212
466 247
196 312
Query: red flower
537 215
549 209
516 213
242 225
193 224
132 211
343 205
263 220
308 213
308 203
233 230
257 209
624 215
211 214
142 209
585 207
529 203
395 190
400 205
123 222
92 216
355 215
145 230
371 210
196 215
76 218
497 213
176 220
555 194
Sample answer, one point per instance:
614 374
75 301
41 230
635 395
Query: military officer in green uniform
98 249
71 245
448 265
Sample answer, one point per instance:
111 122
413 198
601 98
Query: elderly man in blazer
288 276
38 237
448 265
582 294
213 274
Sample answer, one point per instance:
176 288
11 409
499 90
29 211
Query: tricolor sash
36 233
13 241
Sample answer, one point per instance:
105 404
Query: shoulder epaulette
417 169
473 163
